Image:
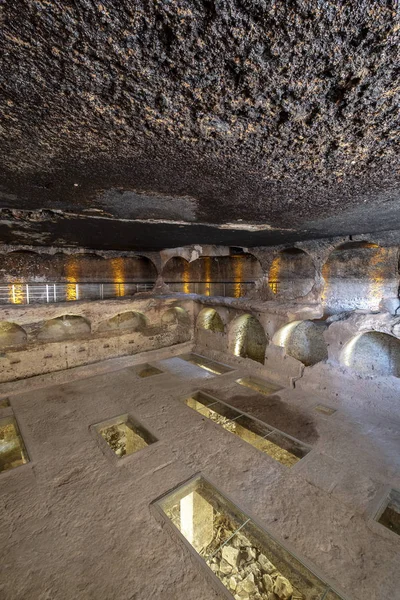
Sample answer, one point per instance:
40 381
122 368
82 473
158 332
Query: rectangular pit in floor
389 513
249 562
124 436
325 410
259 385
279 446
12 448
206 363
147 370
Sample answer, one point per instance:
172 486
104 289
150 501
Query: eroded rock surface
278 114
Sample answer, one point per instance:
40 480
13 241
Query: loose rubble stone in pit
246 571
12 447
245 558
124 437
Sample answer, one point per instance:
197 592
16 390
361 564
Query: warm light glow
237 275
207 275
372 279
118 272
274 272
282 335
347 352
326 274
72 268
240 334
209 319
186 277
186 513
16 293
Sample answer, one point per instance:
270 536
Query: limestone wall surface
40 339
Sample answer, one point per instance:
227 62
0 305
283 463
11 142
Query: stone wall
22 266
41 339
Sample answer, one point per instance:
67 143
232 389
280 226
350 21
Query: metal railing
233 289
42 293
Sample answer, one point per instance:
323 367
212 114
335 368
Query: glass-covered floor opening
206 363
389 513
12 448
279 446
247 560
259 385
124 436
325 410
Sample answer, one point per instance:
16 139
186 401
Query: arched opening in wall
233 275
176 275
177 321
357 275
303 340
247 338
176 316
11 334
42 278
64 328
21 271
127 321
86 268
132 274
292 274
372 353
208 318
115 277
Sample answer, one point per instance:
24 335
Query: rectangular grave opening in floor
206 363
389 514
259 385
147 370
279 446
12 448
325 410
249 562
5 403
124 435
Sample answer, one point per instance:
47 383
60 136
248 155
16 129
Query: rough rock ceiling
155 123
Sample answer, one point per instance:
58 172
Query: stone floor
77 523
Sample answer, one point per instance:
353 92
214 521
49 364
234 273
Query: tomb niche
127 321
64 328
373 353
247 338
209 319
11 334
303 340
